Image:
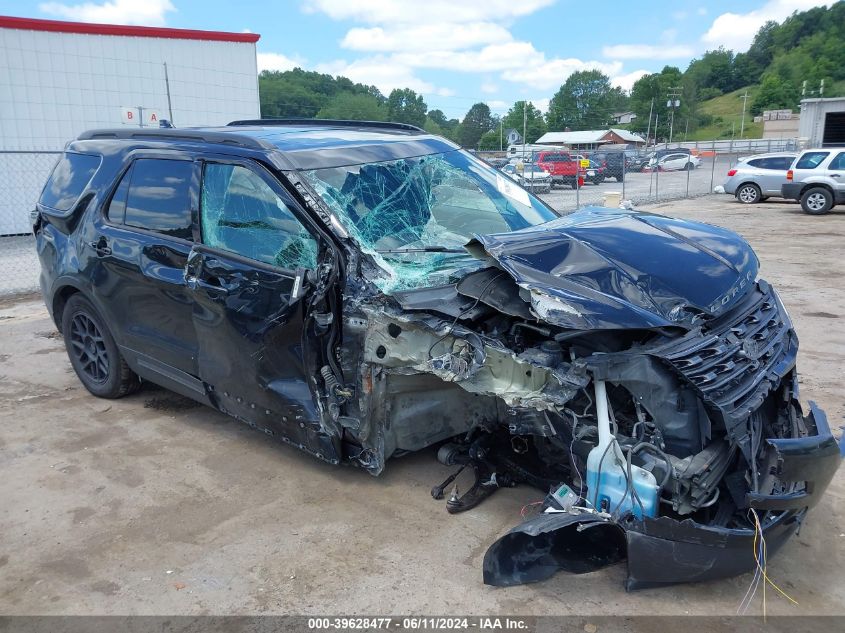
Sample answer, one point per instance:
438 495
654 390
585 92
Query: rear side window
838 162
159 197
70 176
811 160
780 163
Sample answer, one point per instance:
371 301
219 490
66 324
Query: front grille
735 361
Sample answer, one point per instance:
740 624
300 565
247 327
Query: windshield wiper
424 249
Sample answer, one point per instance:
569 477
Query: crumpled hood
611 268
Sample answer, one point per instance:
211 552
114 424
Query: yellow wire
763 569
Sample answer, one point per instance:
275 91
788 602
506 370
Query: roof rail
328 123
173 134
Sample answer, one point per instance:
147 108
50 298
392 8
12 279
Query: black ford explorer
362 290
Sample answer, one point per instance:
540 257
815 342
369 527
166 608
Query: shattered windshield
414 215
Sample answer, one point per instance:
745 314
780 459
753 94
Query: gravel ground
155 505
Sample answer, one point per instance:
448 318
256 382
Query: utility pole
673 102
742 124
501 130
524 126
648 131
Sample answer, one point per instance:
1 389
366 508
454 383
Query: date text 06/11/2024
418 623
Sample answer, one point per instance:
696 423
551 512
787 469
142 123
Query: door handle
101 247
834 175
213 284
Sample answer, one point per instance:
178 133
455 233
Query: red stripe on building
58 26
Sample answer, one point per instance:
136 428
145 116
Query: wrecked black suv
363 290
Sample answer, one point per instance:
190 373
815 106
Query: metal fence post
656 181
689 171
624 173
713 166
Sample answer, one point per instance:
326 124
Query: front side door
248 279
135 253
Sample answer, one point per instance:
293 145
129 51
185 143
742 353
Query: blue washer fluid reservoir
605 490
607 475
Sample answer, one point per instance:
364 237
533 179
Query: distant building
621 118
823 122
779 123
591 139
58 79
512 137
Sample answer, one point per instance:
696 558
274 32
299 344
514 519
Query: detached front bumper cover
664 551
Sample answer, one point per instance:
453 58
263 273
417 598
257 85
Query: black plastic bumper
791 190
664 551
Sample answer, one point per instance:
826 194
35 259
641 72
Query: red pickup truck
563 167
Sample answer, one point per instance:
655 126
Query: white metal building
58 79
823 122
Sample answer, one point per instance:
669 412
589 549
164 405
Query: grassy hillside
726 111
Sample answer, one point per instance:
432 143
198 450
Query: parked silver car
755 178
532 177
817 180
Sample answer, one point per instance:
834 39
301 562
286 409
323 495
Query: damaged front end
629 365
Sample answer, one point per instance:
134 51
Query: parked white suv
817 180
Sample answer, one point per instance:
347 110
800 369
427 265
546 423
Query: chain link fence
24 174
684 170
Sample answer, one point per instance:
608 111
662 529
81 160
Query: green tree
774 94
535 124
585 101
476 122
357 107
489 140
406 106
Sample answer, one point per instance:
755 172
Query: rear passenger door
771 173
248 282
135 252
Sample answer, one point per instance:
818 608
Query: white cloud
489 87
382 72
277 61
552 73
627 81
647 51
424 37
736 31
541 104
431 11
498 106
139 12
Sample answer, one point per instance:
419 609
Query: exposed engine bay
661 443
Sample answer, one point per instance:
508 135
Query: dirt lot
154 505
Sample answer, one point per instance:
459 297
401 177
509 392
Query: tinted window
838 162
242 214
68 180
757 162
780 163
811 160
116 211
159 197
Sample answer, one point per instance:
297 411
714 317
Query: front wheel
93 352
817 201
748 194
690 166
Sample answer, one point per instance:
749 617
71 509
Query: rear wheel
749 193
816 201
689 166
93 352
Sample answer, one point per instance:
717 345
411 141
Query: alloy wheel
748 194
816 202
89 347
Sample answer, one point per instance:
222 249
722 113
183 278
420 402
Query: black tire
748 193
816 201
689 166
93 353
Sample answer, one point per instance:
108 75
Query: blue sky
455 52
